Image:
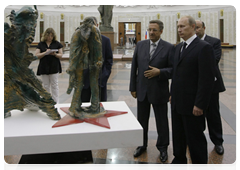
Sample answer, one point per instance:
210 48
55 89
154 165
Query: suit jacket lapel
147 44
207 39
177 53
189 48
159 48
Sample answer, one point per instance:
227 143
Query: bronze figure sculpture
85 51
106 17
21 86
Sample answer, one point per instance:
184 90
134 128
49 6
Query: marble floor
118 90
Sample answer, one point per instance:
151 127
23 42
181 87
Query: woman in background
49 65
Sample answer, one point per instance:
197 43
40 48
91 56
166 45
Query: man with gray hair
151 69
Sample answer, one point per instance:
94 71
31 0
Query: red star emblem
101 121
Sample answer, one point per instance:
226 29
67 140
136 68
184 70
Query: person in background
150 72
104 74
191 89
49 66
212 113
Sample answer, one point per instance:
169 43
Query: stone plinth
110 35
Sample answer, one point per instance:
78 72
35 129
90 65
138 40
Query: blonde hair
47 32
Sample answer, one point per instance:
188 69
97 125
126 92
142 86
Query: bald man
212 113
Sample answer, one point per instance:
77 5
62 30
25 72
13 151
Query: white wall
168 14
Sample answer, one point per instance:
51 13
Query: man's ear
194 26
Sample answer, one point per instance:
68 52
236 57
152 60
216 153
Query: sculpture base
99 119
106 28
8 114
87 113
31 132
101 113
110 35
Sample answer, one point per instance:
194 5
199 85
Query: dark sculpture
106 17
85 51
21 87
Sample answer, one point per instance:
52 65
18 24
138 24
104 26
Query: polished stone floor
118 90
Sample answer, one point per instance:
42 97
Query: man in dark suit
104 74
212 113
191 89
151 69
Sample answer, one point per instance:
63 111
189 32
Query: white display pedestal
31 132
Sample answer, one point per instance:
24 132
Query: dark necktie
183 48
153 50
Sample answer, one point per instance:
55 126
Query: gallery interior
130 24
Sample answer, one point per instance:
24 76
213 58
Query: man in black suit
212 113
191 88
151 69
104 74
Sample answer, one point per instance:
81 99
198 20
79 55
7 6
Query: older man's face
154 32
200 30
185 30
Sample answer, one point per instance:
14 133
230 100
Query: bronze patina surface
21 87
106 17
85 53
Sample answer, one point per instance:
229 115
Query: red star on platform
101 121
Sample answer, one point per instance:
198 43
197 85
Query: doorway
129 33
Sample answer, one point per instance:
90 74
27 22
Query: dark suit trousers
188 130
86 94
214 121
160 111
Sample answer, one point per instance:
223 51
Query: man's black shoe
172 166
219 149
163 156
139 151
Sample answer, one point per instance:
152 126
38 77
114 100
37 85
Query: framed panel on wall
221 30
41 28
62 33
